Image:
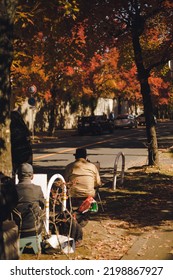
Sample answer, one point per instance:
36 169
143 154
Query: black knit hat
80 153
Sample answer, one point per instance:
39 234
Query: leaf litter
143 206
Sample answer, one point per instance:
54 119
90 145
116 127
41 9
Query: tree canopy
79 50
56 42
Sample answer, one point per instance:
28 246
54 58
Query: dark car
141 119
125 120
94 125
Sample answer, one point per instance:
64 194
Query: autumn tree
142 30
42 50
26 15
62 45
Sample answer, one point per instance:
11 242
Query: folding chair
99 198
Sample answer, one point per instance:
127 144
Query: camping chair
97 164
99 198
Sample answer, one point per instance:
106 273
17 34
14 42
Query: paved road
53 155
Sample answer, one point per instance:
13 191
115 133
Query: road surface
52 156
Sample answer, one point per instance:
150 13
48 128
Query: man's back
29 193
30 202
84 177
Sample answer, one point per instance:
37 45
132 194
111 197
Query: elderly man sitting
31 203
84 178
83 175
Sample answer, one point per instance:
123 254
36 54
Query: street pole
32 108
31 101
170 64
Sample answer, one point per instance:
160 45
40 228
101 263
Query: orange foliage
101 75
47 95
159 90
69 70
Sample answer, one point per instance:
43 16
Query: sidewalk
157 245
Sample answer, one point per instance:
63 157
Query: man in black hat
84 178
83 175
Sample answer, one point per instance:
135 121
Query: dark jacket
21 148
30 206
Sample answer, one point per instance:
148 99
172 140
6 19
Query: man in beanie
31 203
83 175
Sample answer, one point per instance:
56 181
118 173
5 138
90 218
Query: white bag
62 243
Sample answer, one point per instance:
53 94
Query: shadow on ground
146 199
144 205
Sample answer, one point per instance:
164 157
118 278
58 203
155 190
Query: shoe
78 243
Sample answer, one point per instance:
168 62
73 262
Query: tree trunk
52 120
119 105
53 111
150 124
143 76
7 9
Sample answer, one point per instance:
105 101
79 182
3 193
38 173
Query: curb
60 134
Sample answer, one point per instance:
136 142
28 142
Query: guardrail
115 170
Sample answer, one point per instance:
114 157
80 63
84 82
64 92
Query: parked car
141 119
94 125
125 120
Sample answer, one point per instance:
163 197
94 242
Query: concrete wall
37 116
